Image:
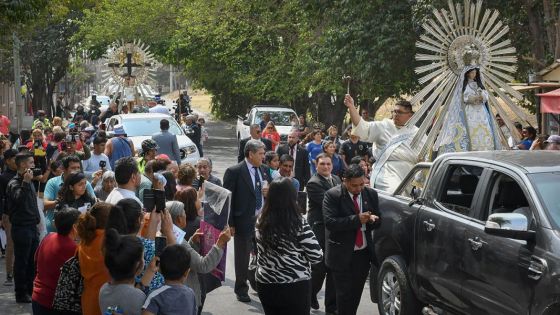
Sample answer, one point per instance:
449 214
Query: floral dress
149 253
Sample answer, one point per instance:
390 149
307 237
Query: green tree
153 22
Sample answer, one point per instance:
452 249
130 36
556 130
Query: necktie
359 235
258 189
292 151
331 181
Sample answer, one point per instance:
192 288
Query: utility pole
16 108
170 78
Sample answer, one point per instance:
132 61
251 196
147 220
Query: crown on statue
471 55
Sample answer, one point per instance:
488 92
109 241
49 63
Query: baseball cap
553 139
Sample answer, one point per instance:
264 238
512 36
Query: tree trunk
537 47
557 37
550 24
330 114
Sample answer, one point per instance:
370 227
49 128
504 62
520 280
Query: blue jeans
26 241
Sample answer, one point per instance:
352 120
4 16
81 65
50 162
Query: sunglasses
398 112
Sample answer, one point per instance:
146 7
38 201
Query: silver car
140 127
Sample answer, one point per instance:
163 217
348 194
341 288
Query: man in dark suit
351 212
248 182
255 131
300 155
319 183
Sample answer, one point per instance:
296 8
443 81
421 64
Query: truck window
280 118
415 184
459 187
506 196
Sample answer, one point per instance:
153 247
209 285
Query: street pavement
222 148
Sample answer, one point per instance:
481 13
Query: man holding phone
24 217
350 213
98 160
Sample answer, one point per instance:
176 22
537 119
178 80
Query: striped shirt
289 262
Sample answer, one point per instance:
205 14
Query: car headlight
187 151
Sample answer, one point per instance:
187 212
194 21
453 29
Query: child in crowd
124 261
203 130
174 297
272 160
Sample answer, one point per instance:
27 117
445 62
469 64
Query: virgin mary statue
469 125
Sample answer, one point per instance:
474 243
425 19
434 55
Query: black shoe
9 280
243 298
23 299
314 303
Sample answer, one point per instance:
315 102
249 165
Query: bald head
293 138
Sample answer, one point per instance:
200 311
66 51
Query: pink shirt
4 125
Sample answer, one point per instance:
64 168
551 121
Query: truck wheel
395 296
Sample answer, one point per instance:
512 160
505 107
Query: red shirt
52 253
273 136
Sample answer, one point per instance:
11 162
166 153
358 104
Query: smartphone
159 197
149 200
161 242
200 182
102 164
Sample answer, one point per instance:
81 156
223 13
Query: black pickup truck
472 233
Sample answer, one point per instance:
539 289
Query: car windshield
148 127
280 118
546 185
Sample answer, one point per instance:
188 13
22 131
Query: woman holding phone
74 194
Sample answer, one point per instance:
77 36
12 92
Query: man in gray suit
167 142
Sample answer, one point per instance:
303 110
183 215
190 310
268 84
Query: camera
102 164
37 172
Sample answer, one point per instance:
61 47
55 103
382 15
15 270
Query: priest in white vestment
394 155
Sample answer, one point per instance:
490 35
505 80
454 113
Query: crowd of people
80 238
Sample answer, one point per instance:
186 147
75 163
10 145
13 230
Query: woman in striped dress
287 248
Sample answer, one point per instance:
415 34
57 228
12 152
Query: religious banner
216 203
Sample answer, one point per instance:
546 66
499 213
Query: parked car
472 233
140 127
281 116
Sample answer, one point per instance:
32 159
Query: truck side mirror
509 225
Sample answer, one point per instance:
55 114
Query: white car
281 116
103 100
140 127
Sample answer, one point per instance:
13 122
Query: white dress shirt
252 173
